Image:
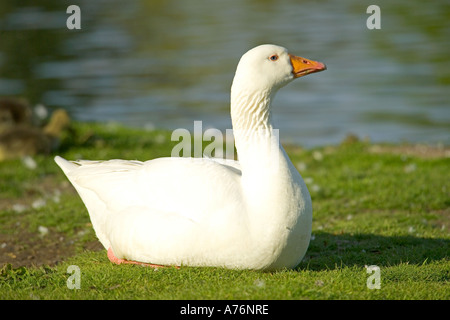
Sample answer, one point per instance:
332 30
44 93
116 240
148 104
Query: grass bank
383 205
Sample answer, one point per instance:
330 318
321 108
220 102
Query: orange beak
301 66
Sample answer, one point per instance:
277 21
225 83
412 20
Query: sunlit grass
384 209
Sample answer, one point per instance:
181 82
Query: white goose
251 214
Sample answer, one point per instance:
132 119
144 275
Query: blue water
165 64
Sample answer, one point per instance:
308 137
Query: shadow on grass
329 251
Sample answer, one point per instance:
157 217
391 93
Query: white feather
255 213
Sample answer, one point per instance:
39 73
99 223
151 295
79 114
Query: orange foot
116 260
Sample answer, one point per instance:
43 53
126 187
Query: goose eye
274 57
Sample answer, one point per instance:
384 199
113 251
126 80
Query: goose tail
65 165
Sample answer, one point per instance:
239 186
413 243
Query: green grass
384 209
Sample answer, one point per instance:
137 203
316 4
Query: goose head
269 67
259 74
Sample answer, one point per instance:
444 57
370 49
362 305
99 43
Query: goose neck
257 142
250 114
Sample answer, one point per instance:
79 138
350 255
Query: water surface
164 64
